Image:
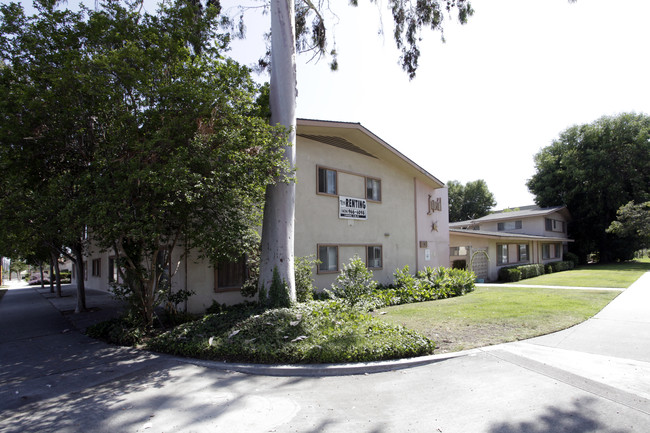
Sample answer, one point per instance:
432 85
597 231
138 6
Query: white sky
482 104
501 88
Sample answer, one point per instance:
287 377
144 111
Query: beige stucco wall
432 225
390 223
531 226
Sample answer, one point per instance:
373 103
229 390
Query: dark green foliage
595 169
278 294
561 266
470 201
633 224
571 257
531 271
303 276
509 274
311 332
148 133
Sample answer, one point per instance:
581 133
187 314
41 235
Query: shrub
531 271
278 293
460 282
304 280
561 266
428 285
311 332
509 274
354 281
571 257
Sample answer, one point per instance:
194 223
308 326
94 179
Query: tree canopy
594 169
470 201
133 128
633 222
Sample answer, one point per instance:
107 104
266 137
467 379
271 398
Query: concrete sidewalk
590 378
101 305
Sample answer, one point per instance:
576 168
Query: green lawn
494 315
620 275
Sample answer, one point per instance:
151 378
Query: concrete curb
323 370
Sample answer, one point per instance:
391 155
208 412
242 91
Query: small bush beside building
513 274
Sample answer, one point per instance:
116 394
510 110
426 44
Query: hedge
511 274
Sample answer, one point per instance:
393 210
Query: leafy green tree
594 169
633 222
185 158
470 201
52 104
134 129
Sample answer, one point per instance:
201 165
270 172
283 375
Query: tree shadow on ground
577 418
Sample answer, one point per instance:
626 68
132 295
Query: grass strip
615 275
493 315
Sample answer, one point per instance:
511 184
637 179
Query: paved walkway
594 377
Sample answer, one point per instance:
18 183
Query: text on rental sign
353 208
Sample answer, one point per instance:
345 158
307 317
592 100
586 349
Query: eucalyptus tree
303 24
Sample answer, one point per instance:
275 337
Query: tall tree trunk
277 247
40 267
57 274
51 273
81 274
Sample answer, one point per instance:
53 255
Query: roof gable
356 138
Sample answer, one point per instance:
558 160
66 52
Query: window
374 257
523 252
373 189
509 225
86 270
326 181
502 254
96 268
551 251
329 258
458 251
555 225
230 275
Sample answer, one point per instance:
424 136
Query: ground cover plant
493 315
619 275
311 332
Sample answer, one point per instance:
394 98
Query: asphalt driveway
594 377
